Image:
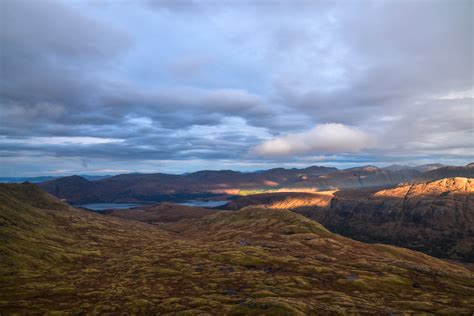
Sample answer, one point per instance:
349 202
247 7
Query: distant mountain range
421 168
129 188
45 178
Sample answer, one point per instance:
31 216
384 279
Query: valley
234 158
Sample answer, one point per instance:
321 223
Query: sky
107 87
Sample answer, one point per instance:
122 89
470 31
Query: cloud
174 6
53 27
323 138
84 163
192 81
368 62
188 66
433 127
55 60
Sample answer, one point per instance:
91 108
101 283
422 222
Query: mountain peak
396 167
368 168
30 194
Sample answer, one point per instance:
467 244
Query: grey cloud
174 5
52 27
434 126
188 66
399 52
152 147
84 163
50 53
186 106
209 80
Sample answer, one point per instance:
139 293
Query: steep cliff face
434 217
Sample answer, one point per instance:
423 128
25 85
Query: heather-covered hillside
253 261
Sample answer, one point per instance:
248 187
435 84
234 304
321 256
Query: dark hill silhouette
450 172
161 213
72 188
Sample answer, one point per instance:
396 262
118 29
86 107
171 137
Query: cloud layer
323 138
181 85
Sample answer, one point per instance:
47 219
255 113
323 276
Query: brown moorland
161 213
256 261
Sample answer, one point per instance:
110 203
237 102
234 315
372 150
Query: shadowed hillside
450 172
161 213
435 217
254 261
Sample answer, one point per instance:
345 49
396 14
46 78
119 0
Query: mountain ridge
159 187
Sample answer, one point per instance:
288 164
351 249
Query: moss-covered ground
256 261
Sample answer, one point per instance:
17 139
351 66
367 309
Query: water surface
104 206
202 203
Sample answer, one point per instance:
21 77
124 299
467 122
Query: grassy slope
254 261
